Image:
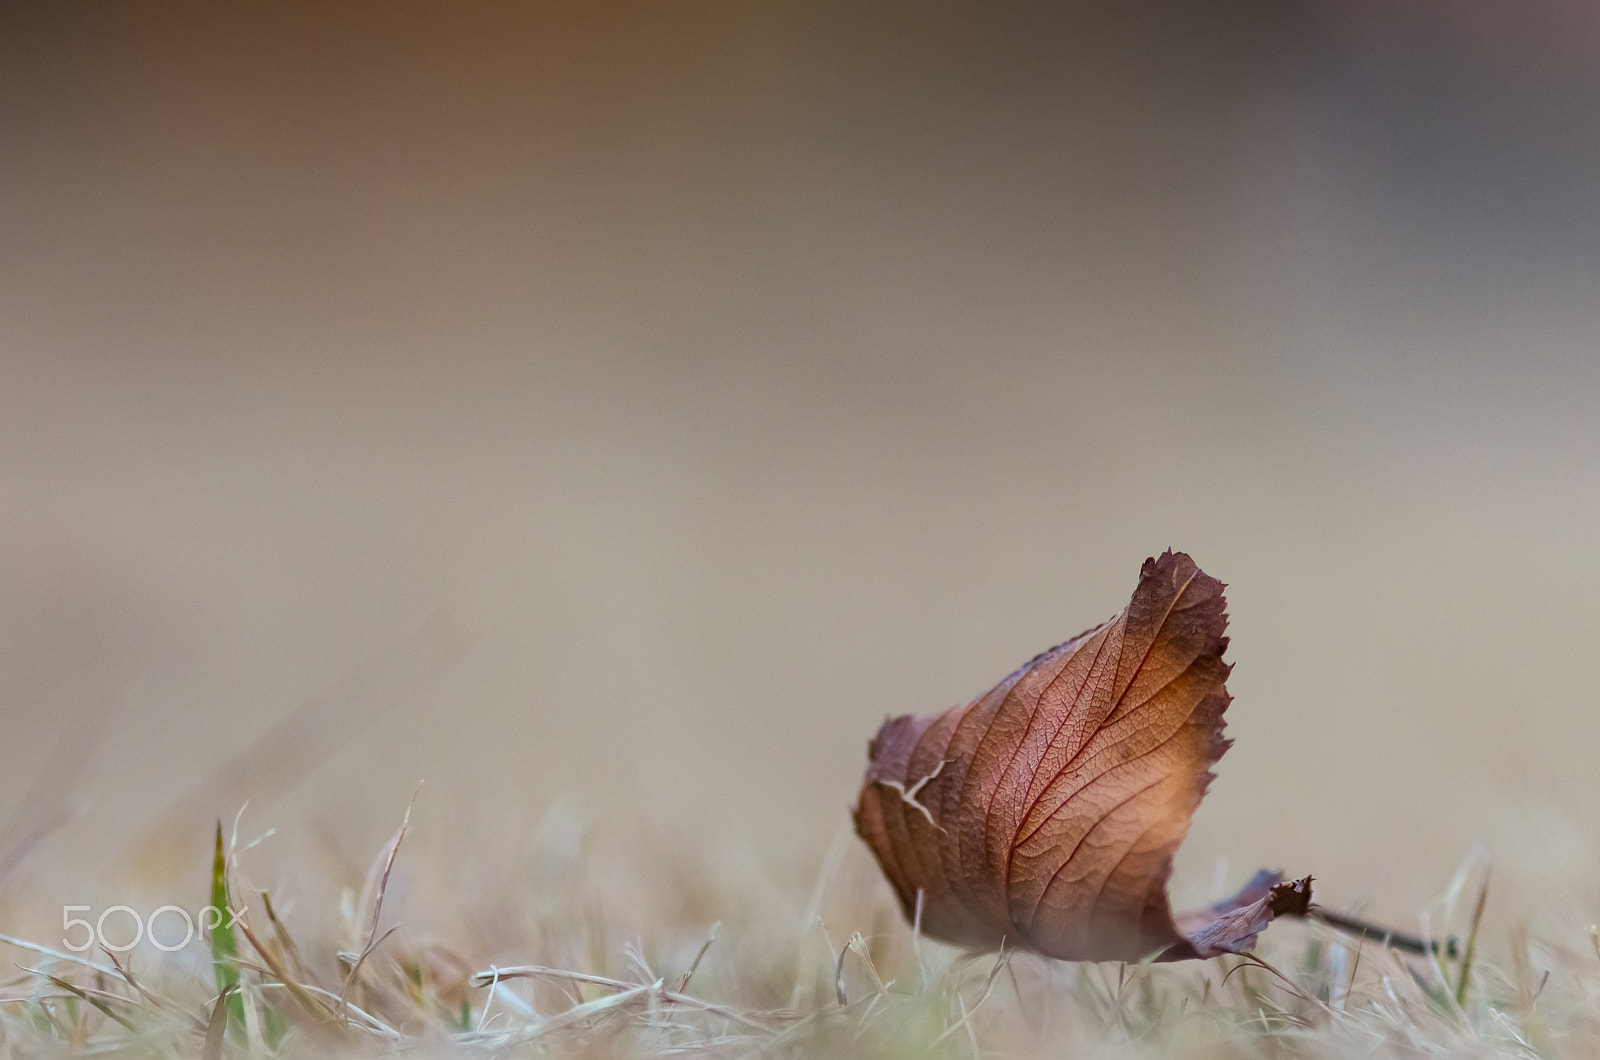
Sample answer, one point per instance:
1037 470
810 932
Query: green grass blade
224 947
1472 943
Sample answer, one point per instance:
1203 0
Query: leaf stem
1397 940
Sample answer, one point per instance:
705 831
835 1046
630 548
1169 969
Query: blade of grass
1472 942
224 947
1002 961
711 936
319 1013
373 938
291 952
91 999
217 1026
579 1013
34 947
535 971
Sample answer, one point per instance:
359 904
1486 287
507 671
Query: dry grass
663 952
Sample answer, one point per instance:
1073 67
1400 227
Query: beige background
728 378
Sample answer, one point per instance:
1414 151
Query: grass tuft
598 955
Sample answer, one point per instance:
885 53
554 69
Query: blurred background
624 408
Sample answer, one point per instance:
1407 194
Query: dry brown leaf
1046 812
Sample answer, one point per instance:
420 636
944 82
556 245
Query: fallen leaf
1046 812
